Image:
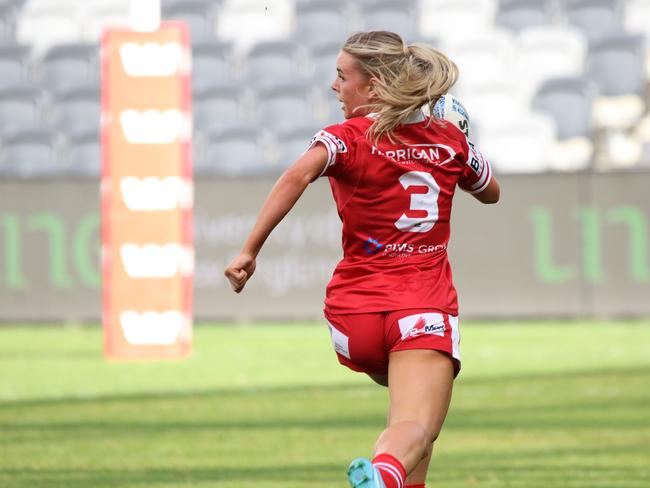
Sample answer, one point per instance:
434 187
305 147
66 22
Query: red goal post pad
146 193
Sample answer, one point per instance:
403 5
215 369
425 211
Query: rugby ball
449 108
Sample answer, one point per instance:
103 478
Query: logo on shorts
422 324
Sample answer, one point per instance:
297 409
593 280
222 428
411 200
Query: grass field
539 405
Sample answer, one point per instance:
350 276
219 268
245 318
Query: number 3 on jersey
420 201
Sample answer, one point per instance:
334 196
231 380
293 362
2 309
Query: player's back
394 199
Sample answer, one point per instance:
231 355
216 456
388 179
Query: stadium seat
30 153
482 57
100 14
519 146
398 17
501 100
20 107
7 22
549 52
569 102
635 21
287 106
199 15
293 143
66 65
454 19
322 22
323 63
14 59
516 15
221 106
596 18
273 62
83 154
248 22
616 65
212 64
77 110
234 151
44 24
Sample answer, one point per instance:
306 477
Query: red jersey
394 200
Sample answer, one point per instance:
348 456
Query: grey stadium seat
30 153
234 151
69 64
516 15
596 18
321 22
273 62
286 106
399 17
83 154
20 107
212 64
220 106
293 143
323 62
199 16
77 110
569 102
616 65
14 60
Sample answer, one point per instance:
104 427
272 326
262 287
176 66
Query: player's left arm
282 197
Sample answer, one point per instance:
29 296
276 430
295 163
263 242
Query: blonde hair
405 77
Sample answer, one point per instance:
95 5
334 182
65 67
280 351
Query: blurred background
558 95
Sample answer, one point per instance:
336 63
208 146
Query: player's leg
420 385
418 476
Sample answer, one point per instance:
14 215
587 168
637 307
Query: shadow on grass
112 478
306 388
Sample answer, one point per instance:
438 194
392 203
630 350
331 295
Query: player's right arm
282 197
490 194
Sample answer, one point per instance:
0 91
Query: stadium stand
212 64
521 145
219 106
76 110
322 22
401 16
30 153
287 106
548 52
516 15
275 62
235 151
596 18
82 154
199 15
14 60
583 64
68 64
20 108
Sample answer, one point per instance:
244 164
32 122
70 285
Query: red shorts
362 341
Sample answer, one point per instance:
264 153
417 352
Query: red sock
391 470
415 486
